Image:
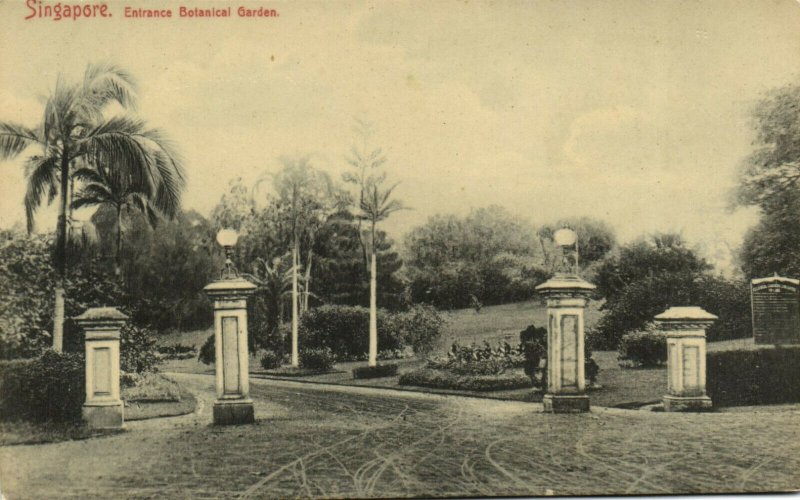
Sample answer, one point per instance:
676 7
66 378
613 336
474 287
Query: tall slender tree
73 131
304 195
375 204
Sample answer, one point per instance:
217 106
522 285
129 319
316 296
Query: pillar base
687 403
104 415
234 412
566 403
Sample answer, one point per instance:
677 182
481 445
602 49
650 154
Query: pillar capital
102 319
676 320
566 287
230 289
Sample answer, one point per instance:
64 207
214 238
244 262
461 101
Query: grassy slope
503 322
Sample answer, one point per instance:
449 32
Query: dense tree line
491 256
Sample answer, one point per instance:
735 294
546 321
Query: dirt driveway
316 441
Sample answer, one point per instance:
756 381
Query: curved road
324 441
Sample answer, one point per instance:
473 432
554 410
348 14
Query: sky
633 112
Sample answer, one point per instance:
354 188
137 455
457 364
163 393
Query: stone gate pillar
685 328
233 404
103 408
567 297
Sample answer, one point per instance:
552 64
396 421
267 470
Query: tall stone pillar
567 297
233 404
685 328
103 408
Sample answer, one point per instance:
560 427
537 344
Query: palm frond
88 175
144 205
14 139
96 191
61 112
42 176
106 82
84 200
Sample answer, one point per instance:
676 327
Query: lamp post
229 293
567 295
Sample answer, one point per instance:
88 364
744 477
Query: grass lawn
153 396
17 433
503 322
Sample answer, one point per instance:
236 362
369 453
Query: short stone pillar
233 405
685 328
103 408
567 297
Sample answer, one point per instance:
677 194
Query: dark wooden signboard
776 310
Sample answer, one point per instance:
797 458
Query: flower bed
445 379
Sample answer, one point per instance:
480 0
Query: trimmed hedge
270 359
48 388
321 359
443 379
387 370
757 377
345 330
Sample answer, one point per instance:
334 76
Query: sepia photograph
381 249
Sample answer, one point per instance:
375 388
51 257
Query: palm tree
304 194
374 205
75 134
275 282
124 187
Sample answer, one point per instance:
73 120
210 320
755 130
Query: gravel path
320 441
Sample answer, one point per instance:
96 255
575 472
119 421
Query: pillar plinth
567 297
233 404
103 408
685 328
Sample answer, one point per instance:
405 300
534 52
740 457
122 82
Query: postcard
385 249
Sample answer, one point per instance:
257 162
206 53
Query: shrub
420 327
643 349
149 387
533 344
641 300
445 379
591 370
320 359
176 351
208 351
137 349
48 388
270 360
387 370
345 331
479 360
763 376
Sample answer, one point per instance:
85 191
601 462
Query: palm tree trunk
307 281
118 252
295 353
373 303
61 255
